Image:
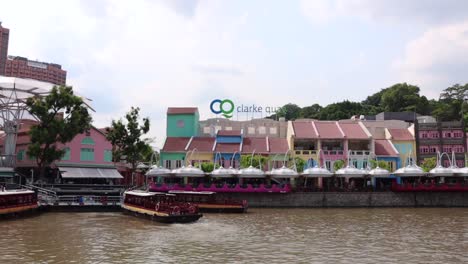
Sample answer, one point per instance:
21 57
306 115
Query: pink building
333 138
442 137
87 156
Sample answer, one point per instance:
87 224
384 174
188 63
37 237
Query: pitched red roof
227 147
384 148
353 131
328 130
400 134
278 145
202 144
304 129
181 110
175 144
229 132
259 144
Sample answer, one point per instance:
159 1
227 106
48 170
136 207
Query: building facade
89 154
4 38
327 142
251 128
441 137
187 143
24 68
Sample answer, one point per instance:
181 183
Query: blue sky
156 54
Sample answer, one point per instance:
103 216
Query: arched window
87 141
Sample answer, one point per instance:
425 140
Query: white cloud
399 11
437 59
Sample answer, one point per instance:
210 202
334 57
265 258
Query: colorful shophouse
441 137
334 139
87 158
226 146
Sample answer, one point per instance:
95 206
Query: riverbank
353 199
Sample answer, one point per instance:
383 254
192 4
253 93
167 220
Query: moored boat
17 202
209 202
160 207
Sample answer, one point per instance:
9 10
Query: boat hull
18 211
221 208
160 217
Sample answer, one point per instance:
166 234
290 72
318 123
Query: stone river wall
353 199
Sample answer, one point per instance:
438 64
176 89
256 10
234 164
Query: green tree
245 160
404 97
339 164
428 164
312 111
207 166
341 110
452 104
300 164
126 140
62 115
382 164
289 112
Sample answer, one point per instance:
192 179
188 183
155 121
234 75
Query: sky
161 53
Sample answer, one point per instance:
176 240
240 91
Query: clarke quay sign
227 108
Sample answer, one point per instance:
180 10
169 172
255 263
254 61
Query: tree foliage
339 164
428 164
401 97
381 163
62 115
246 160
125 137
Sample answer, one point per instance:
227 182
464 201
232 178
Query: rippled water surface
260 236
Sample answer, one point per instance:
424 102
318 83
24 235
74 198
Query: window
262 130
88 133
228 128
180 123
168 164
66 154
328 165
217 128
87 141
206 130
178 163
87 154
273 130
20 155
108 155
251 130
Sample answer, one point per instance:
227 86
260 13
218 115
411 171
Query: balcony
360 153
305 152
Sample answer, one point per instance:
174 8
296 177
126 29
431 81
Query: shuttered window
66 155
108 155
87 154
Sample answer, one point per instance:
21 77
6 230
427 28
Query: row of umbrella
411 170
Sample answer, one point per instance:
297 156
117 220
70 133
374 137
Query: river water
396 235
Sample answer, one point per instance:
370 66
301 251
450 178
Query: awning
89 173
7 173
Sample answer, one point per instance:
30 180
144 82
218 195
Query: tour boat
160 207
17 202
209 202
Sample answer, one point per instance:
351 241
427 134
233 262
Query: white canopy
89 173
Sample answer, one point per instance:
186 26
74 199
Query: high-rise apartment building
4 36
23 68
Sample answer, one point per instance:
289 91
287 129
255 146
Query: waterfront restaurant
87 159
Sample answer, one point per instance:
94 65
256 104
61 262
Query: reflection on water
409 235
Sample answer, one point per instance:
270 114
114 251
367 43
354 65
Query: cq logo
225 107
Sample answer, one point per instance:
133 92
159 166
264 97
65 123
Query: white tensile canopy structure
14 93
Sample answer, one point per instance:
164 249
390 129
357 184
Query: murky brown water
261 236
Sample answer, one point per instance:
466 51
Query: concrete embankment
353 199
